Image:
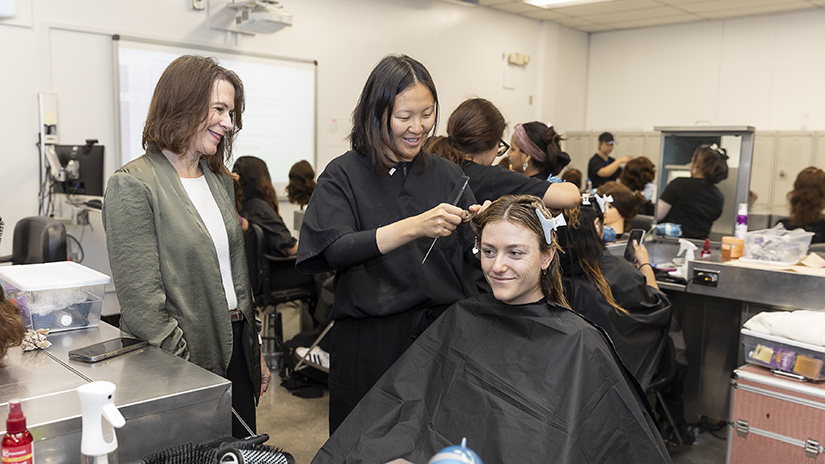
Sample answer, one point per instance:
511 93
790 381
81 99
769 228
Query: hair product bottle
17 443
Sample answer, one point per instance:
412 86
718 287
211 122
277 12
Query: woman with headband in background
536 151
474 141
695 201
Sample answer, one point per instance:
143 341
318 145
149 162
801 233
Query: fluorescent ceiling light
562 3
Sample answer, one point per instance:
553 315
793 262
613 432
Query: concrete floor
299 425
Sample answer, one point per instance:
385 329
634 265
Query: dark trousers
361 351
243 394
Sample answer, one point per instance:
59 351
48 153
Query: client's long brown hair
521 210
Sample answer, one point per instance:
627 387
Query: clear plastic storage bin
56 296
784 354
777 246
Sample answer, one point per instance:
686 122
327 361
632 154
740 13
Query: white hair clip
549 225
586 199
603 201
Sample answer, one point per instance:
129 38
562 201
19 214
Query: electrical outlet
706 278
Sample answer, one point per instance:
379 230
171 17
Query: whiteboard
279 117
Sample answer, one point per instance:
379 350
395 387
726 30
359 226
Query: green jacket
165 268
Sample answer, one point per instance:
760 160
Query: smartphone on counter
629 251
107 349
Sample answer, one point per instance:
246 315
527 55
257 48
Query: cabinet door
762 171
819 151
580 146
630 144
793 154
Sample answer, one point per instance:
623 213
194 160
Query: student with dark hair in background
473 141
603 167
807 200
373 217
536 151
257 202
695 201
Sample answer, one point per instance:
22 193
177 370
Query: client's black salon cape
640 335
524 383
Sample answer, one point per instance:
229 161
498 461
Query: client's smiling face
512 261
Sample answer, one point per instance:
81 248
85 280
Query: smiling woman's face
218 121
411 120
512 261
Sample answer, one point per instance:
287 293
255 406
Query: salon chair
641 221
273 281
37 239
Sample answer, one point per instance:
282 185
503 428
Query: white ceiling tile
608 7
653 22
575 23
495 2
753 10
547 14
596 28
518 7
639 15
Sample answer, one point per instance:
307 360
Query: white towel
803 326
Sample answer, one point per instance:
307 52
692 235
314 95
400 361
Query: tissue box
784 354
56 296
777 246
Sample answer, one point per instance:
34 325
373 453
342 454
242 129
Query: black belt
235 315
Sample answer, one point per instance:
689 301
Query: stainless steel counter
165 400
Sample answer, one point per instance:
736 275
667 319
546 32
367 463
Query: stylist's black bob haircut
393 75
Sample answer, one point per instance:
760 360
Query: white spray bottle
688 250
98 443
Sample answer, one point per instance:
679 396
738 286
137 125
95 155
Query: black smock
384 301
523 383
494 182
596 162
276 235
818 228
640 336
695 204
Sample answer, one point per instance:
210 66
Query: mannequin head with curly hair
807 198
301 183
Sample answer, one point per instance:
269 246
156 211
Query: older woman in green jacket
175 244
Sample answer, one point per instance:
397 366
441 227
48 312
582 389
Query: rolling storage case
775 420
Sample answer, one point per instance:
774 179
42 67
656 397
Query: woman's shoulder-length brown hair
180 107
371 118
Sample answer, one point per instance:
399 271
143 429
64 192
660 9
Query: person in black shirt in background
807 201
695 201
602 167
257 202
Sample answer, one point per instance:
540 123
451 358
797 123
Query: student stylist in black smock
695 201
372 218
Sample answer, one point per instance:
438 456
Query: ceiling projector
262 20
